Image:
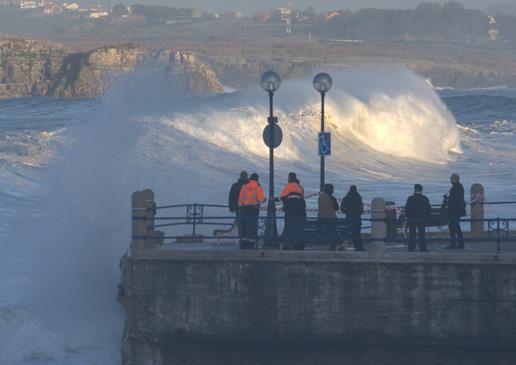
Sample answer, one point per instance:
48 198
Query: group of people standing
246 196
418 213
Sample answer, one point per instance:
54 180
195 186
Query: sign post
324 144
272 134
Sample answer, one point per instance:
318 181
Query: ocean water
68 167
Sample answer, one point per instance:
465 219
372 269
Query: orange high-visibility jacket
292 188
251 194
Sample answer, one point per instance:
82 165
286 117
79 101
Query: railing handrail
386 219
484 202
495 229
190 205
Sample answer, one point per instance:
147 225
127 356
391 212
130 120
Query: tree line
432 21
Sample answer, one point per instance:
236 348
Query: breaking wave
408 122
403 127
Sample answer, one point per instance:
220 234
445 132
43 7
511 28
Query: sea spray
73 272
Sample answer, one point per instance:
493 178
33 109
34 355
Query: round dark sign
276 137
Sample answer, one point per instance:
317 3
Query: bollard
139 226
154 238
378 228
144 237
477 200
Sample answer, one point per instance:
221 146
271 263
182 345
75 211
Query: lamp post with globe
322 83
272 136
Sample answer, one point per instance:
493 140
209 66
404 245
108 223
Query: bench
317 232
437 219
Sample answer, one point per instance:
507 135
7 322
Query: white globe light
322 82
270 81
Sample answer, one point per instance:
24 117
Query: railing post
193 217
139 226
378 228
194 225
477 211
498 236
155 238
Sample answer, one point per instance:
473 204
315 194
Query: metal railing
496 230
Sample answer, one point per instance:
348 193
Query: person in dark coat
353 207
233 197
327 216
456 209
417 211
294 206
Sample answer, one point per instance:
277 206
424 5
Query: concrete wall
288 296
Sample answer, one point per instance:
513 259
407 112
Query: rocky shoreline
30 67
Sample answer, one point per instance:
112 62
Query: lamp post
272 136
322 83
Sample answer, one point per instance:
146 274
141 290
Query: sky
251 6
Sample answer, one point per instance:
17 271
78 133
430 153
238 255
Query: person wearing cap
294 206
454 200
250 198
353 207
234 194
417 211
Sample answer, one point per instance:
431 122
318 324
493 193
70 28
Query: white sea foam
30 148
23 338
407 121
403 126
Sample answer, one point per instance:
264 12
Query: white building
28 4
71 6
98 14
493 33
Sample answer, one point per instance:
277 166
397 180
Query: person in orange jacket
249 201
294 206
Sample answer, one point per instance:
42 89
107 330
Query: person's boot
422 247
246 244
452 245
411 247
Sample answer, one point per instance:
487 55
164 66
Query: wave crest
407 121
403 126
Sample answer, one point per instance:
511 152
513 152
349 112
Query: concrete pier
186 295
438 299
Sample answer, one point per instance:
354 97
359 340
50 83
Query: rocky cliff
458 66
31 67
